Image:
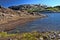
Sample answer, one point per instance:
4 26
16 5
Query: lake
49 23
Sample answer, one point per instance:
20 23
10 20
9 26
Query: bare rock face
7 14
28 10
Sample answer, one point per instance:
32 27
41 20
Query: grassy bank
31 36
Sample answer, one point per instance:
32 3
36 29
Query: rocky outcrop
7 14
10 17
34 7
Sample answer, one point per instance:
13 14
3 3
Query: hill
10 18
36 8
29 7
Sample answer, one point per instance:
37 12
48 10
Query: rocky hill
29 7
36 8
7 14
10 18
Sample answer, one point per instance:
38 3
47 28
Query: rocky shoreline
9 18
12 24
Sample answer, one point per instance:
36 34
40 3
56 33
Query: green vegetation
33 10
54 9
5 34
23 36
36 8
31 36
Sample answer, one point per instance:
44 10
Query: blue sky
7 3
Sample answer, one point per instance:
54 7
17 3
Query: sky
7 3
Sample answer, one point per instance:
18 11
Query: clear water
50 23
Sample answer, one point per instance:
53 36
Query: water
50 23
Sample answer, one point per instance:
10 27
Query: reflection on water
52 22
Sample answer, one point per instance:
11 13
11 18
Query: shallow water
50 23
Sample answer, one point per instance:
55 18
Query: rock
41 38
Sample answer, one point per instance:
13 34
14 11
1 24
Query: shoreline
12 24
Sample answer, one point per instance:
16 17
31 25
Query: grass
23 36
27 36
